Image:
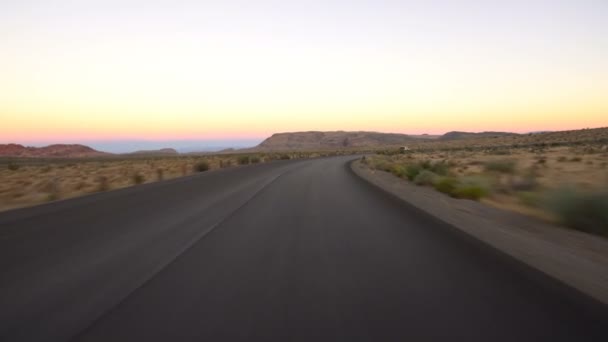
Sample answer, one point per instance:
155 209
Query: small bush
411 171
201 166
576 159
398 170
470 191
255 159
503 166
285 157
138 178
529 198
13 166
243 160
425 177
225 163
579 210
103 184
447 185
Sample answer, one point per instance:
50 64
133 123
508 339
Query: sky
132 74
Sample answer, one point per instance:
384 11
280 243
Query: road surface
285 251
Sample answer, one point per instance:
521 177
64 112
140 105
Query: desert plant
412 170
255 159
398 170
585 211
425 177
13 166
138 178
503 166
243 160
285 157
201 166
103 184
160 174
447 185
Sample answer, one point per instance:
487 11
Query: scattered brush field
564 183
26 182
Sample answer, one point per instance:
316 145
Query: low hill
331 140
51 151
455 135
161 152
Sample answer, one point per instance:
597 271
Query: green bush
243 160
447 185
425 177
255 159
412 170
285 157
584 211
13 166
469 191
398 170
503 166
201 166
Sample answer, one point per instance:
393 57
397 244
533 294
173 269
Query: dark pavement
285 251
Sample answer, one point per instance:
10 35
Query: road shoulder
575 258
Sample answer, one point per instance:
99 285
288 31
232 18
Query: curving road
285 251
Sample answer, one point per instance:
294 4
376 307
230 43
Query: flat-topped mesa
332 140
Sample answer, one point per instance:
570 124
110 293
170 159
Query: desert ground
27 182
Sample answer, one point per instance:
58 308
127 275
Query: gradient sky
242 70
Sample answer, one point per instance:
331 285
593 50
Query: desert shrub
13 166
412 170
254 159
524 183
447 185
160 174
285 157
472 187
503 166
529 198
585 211
138 178
243 160
425 177
225 163
562 159
441 168
201 166
469 191
398 170
576 159
103 184
382 164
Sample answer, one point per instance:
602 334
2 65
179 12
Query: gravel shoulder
575 258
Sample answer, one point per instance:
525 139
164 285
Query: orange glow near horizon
173 73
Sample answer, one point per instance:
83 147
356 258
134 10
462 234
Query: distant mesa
51 151
315 140
455 135
160 152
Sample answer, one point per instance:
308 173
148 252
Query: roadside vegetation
562 184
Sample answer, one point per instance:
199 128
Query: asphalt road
285 251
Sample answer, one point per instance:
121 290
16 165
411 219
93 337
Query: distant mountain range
456 135
57 150
311 140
